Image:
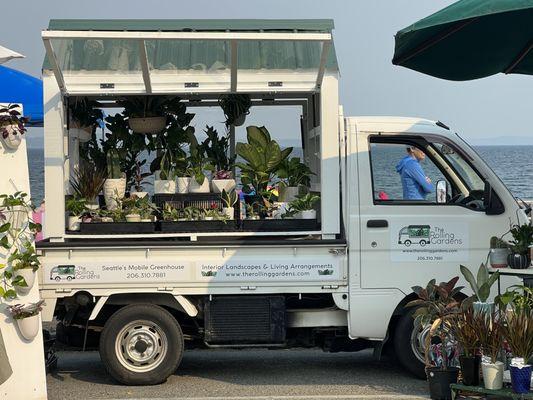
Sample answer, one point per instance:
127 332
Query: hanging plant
236 107
12 126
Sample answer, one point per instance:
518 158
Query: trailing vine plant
17 233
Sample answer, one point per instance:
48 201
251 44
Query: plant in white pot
481 287
229 199
165 174
139 179
199 166
131 209
147 210
303 206
87 181
24 264
11 126
84 118
217 149
27 318
491 338
499 252
75 208
115 184
150 114
295 179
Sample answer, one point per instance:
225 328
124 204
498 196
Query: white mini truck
143 298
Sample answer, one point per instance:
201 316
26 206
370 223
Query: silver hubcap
141 346
418 342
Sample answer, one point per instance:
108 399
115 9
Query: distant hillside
502 141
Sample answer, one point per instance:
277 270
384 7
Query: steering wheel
473 200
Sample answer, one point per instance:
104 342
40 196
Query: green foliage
87 180
234 105
517 297
303 203
216 148
263 157
518 332
170 213
151 106
465 326
191 213
229 198
113 164
142 206
199 164
139 176
480 286
85 112
498 243
293 172
21 311
27 258
522 238
75 206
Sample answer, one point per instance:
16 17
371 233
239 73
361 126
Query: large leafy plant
199 163
436 306
522 238
293 172
480 286
262 157
87 180
217 149
85 112
234 106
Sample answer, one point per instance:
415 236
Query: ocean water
513 164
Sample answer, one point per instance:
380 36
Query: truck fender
180 302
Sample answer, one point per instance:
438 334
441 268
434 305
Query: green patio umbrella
470 39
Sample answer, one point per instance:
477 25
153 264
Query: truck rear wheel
141 344
409 344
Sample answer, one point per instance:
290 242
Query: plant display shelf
110 228
182 200
467 392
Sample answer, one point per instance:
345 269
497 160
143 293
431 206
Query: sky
494 110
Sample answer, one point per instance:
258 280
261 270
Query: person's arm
415 171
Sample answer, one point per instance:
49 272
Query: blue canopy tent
18 87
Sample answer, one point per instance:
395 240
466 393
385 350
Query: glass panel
189 55
469 176
97 54
279 54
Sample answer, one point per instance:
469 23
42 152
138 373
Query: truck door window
403 172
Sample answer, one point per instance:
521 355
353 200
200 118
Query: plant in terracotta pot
499 252
481 287
84 117
295 178
139 179
229 199
436 306
236 107
12 126
27 318
262 156
465 327
522 239
75 208
491 339
518 332
217 149
87 181
115 183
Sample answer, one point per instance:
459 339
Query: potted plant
24 264
170 213
491 340
436 306
165 175
199 164
75 208
147 210
522 239
499 252
465 329
12 126
229 199
131 209
87 182
235 107
84 118
481 287
146 114
115 184
294 175
302 206
252 211
262 157
139 179
518 332
217 151
27 318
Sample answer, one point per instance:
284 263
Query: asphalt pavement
245 375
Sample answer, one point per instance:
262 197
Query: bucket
470 370
439 382
521 379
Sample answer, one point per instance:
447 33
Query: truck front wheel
141 344
409 344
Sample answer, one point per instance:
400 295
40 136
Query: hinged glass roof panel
285 55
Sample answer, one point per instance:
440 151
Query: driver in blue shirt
416 185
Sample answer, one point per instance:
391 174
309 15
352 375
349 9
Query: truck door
407 237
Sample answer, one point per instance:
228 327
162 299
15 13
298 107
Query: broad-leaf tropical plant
480 286
263 157
293 172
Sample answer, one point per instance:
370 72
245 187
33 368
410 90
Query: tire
422 243
407 243
57 278
403 347
141 344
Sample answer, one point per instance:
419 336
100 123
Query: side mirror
442 192
491 202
